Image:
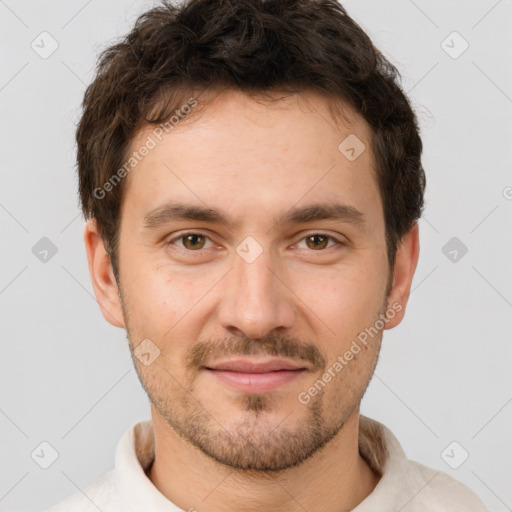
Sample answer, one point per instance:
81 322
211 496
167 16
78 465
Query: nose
256 299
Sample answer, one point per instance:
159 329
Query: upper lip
253 366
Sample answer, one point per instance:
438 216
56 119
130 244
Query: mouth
256 376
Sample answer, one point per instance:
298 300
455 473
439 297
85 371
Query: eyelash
330 237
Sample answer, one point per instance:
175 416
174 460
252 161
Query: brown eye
193 241
317 241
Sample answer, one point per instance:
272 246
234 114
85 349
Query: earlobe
405 266
102 276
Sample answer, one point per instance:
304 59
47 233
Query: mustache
276 346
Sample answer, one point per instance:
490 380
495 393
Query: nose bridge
256 301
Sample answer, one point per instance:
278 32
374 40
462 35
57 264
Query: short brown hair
251 45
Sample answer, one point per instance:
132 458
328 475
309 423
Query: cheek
156 288
163 303
346 305
348 295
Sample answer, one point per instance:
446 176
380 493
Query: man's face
257 288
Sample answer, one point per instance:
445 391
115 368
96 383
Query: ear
405 265
102 276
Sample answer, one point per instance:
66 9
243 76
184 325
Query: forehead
248 155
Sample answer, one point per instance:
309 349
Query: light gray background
444 375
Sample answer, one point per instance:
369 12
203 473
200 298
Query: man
251 175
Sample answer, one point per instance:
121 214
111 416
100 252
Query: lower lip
256 382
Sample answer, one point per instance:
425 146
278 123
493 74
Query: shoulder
440 492
116 489
98 495
405 484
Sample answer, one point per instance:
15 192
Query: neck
336 478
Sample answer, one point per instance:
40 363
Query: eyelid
338 240
183 234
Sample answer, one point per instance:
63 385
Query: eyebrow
172 212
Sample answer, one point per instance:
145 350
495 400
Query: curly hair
256 46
